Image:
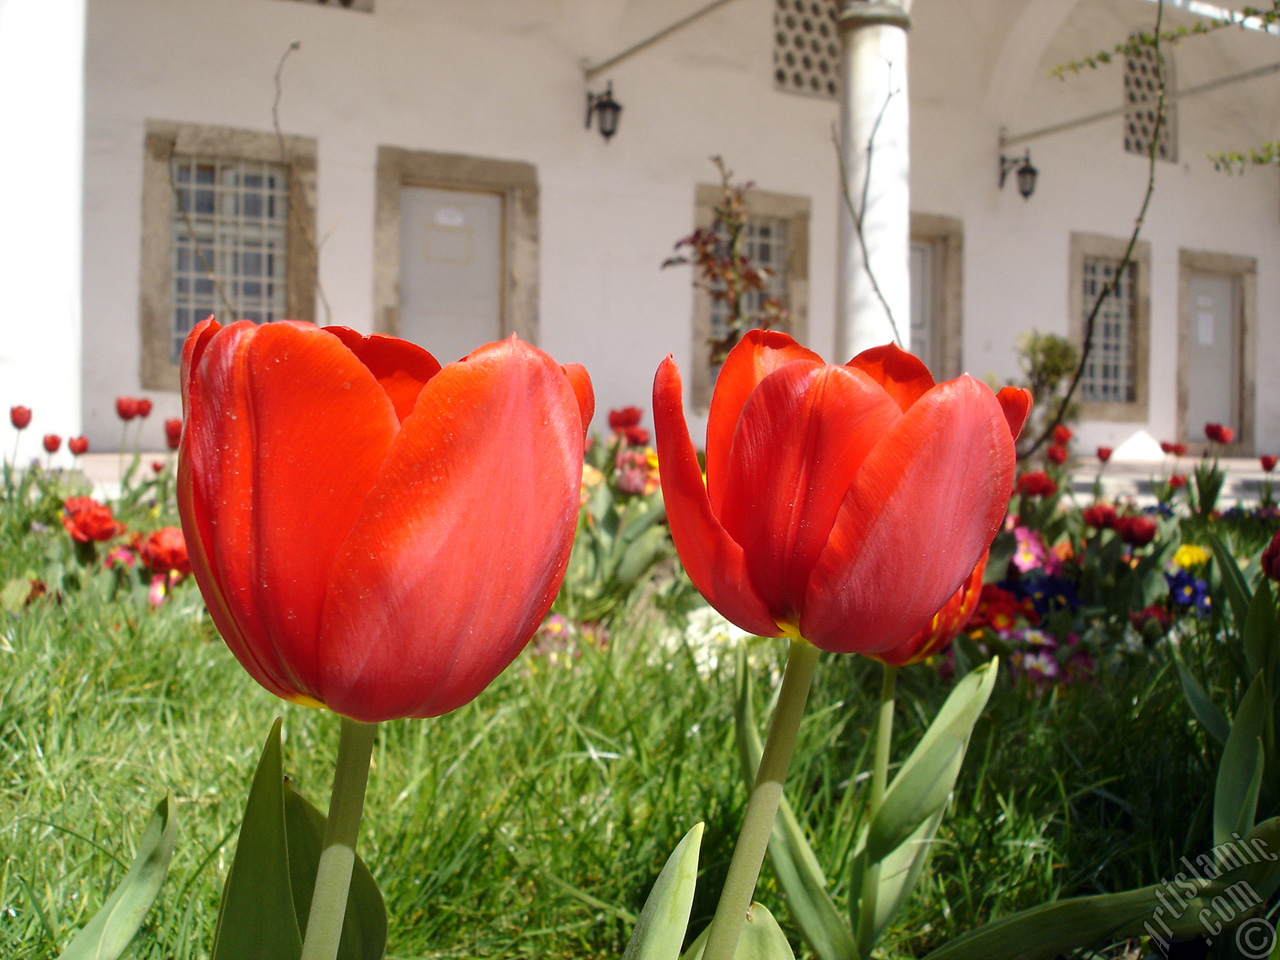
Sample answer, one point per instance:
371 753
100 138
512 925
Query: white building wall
503 80
42 119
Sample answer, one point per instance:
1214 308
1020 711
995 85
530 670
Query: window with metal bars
1110 373
764 244
229 231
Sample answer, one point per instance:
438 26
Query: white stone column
874 112
41 211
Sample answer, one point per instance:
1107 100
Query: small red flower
619 420
1268 462
126 408
1159 615
1062 434
1271 558
173 433
165 551
87 520
1136 531
78 445
157 466
636 436
1056 454
1100 515
52 442
1104 454
1217 433
144 407
1177 481
20 417
1036 484
1177 449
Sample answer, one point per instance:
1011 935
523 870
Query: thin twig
275 104
857 213
205 265
1111 285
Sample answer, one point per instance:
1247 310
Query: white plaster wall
503 80
41 116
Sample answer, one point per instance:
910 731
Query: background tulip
52 442
373 533
20 417
126 408
78 445
841 504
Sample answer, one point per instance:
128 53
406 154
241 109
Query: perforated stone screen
806 47
1141 94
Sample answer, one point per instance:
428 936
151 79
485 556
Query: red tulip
157 466
20 417
86 519
625 417
144 407
1271 558
1136 531
1101 516
165 551
1036 484
1268 462
1062 434
1177 481
1056 454
844 505
173 433
78 445
52 442
946 624
126 408
372 533
1104 454
1217 433
1177 449
636 436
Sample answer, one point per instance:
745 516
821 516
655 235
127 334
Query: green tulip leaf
257 920
794 864
900 871
1235 796
659 932
1209 714
364 928
762 939
1232 580
1180 908
1259 632
929 773
641 554
107 935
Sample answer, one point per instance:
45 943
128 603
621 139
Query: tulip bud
20 417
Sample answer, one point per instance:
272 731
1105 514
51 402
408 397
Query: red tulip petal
285 436
903 376
712 559
944 626
925 505
192 349
1016 404
580 380
757 354
401 367
462 543
801 438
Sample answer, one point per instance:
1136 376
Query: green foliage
1047 362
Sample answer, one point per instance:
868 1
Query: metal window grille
1110 374
806 47
229 233
764 242
1141 94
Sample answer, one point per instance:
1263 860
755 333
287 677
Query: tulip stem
879 783
333 876
757 823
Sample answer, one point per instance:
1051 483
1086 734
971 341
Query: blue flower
1186 590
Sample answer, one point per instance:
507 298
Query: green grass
533 821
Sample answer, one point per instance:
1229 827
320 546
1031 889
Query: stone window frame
1245 271
164 140
515 181
1089 246
946 236
795 210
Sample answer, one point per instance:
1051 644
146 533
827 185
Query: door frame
1244 271
516 182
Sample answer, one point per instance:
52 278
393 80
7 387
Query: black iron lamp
1023 170
606 110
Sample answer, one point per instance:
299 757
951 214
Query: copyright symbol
1254 937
